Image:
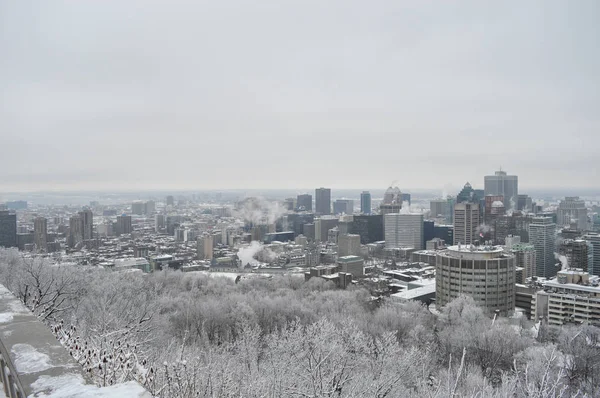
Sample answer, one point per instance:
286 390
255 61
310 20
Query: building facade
503 184
323 201
87 218
486 273
304 202
8 229
343 206
365 202
466 222
40 233
524 259
542 235
572 210
404 230
348 245
124 224
593 238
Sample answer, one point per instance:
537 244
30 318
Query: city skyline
94 96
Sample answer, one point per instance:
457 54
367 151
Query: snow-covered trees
184 335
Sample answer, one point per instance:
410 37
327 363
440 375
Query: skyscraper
75 230
149 207
40 234
577 253
87 218
502 184
345 206
322 227
542 235
524 258
466 221
467 194
593 238
170 200
404 230
392 203
524 203
348 245
304 202
123 224
438 208
137 207
365 202
485 273
572 210
8 229
323 201
204 247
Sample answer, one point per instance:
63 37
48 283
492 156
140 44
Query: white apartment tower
542 235
466 222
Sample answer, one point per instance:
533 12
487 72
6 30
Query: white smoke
563 261
260 211
254 253
246 254
408 209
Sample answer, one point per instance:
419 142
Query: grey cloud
297 94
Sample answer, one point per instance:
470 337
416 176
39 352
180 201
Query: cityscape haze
299 199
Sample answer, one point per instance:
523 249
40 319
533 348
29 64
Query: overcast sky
297 94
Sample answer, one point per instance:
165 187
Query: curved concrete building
486 273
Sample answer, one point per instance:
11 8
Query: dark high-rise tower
304 202
8 229
323 201
40 234
87 217
365 202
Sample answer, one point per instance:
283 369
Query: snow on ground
6 317
29 360
73 385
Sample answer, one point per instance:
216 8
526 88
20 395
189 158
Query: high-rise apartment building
524 203
466 222
365 202
8 229
438 208
486 273
304 202
137 207
348 245
40 233
87 218
159 222
572 210
542 235
124 224
593 238
75 230
404 230
524 258
204 247
343 206
322 226
149 207
170 200
368 226
503 184
577 253
323 201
